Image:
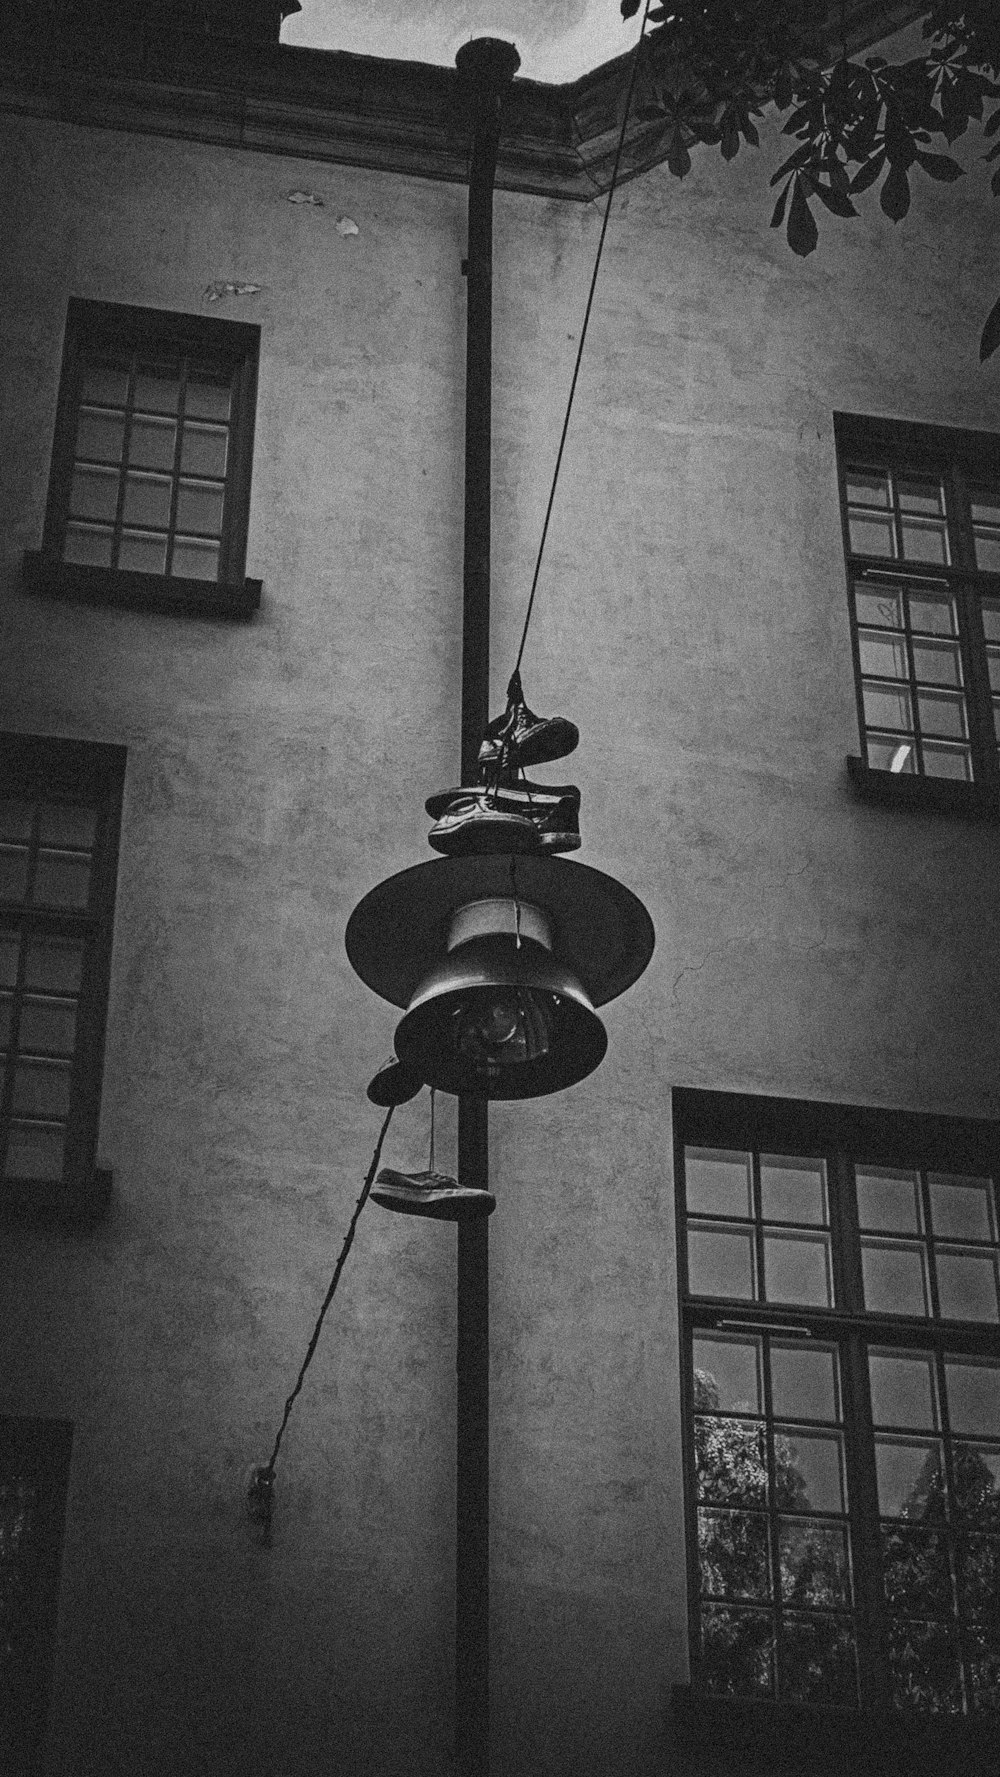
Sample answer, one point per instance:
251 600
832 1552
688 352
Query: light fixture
500 963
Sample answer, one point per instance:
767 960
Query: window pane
62 879
207 397
915 1571
66 823
106 384
717 1182
937 663
942 713
883 654
41 1088
6 1009
895 1277
808 1470
48 1024
720 1262
893 755
100 435
13 872
54 963
910 1479
982 1668
143 552
985 505
993 667
94 493
987 544
817 1661
944 760
792 1190
157 389
804 1382
730 1462
194 560
967 1284
147 499
973 1397
962 1208
737 1651
204 450
34 1151
727 1375
991 619
199 507
923 1660
977 1484
867 487
151 442
903 1391
932 612
890 1200
871 535
978 1575
924 541
797 1268
815 1569
919 493
733 1554
879 606
89 543
885 708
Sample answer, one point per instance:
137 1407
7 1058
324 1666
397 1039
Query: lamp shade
500 1016
499 963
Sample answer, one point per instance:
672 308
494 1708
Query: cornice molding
364 111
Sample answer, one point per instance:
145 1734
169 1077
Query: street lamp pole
486 67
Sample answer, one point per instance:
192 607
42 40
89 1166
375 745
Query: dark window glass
922 535
844 1405
59 816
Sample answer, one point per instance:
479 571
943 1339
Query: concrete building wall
692 620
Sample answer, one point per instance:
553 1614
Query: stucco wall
692 620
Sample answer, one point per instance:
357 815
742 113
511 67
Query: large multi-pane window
841 1307
152 452
60 811
921 514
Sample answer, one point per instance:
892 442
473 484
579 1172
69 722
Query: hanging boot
519 737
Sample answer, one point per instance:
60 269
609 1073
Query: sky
557 40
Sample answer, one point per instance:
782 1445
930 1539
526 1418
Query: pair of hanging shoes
505 812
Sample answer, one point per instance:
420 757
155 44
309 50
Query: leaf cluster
712 66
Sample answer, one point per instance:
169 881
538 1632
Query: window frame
844 1136
117 328
37 765
958 455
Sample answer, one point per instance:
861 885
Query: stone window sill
138 592
748 1736
79 1205
924 795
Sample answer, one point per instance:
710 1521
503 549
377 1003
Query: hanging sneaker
431 1194
393 1084
519 737
553 809
473 821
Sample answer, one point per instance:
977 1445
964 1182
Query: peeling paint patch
346 225
304 197
215 292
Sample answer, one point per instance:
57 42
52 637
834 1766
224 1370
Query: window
150 488
60 811
34 1471
921 515
841 1318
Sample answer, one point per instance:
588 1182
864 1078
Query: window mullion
866 1541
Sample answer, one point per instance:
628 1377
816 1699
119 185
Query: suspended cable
583 331
263 1482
